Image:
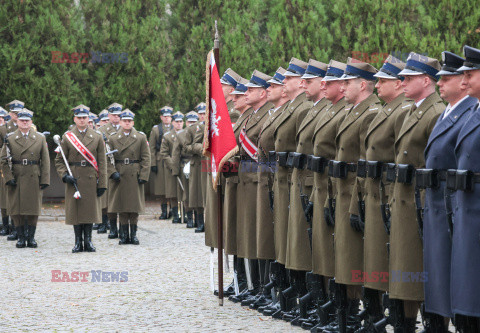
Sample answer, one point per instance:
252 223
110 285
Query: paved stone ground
167 290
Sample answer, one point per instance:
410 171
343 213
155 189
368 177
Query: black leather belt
299 160
127 161
317 163
341 169
272 156
82 163
281 158
462 180
390 170
25 162
405 173
429 178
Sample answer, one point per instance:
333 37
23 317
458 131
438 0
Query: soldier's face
90 124
201 117
103 122
240 102
227 89
190 123
333 90
292 85
451 87
274 92
81 122
313 88
387 89
352 90
413 86
472 81
178 125
114 118
24 124
2 120
127 124
14 116
167 120
254 96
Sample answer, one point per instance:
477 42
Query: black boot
31 236
176 218
96 226
164 214
200 223
78 229
87 234
113 229
190 223
13 233
433 323
133 235
124 236
5 229
102 229
21 237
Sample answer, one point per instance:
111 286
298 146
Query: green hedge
165 44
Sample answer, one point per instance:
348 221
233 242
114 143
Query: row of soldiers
336 197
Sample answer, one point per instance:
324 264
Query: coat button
404 152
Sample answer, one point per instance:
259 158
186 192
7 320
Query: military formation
105 164
353 192
343 203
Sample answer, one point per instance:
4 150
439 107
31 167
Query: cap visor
348 77
383 75
309 76
253 85
124 118
236 92
24 118
16 110
446 73
466 68
288 73
167 114
225 82
331 78
274 82
81 115
407 71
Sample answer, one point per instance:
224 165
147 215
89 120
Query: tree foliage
166 43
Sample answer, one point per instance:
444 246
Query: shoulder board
8 134
40 133
373 109
406 106
155 126
141 132
166 133
98 132
180 131
348 109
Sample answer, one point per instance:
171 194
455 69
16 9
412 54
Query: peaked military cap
390 69
201 107
241 88
25 114
357 69
335 71
177 116
451 64
278 77
315 69
127 114
115 108
81 111
296 67
259 80
166 111
3 112
92 116
15 105
103 115
230 77
418 64
472 59
191 116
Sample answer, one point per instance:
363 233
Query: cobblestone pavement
168 286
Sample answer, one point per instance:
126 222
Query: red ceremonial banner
219 141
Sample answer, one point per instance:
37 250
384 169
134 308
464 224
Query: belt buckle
24 161
126 161
83 163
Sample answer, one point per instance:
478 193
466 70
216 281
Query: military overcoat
440 155
195 193
166 151
127 195
30 168
88 208
406 250
350 148
155 143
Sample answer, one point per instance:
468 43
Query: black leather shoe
13 235
113 229
78 229
21 237
133 235
31 236
190 222
176 217
6 228
87 234
124 236
164 214
200 223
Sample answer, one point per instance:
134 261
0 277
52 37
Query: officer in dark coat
440 156
3 133
465 263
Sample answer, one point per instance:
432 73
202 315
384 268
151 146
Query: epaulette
40 133
8 134
373 109
166 133
99 132
180 131
155 126
141 133
406 106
